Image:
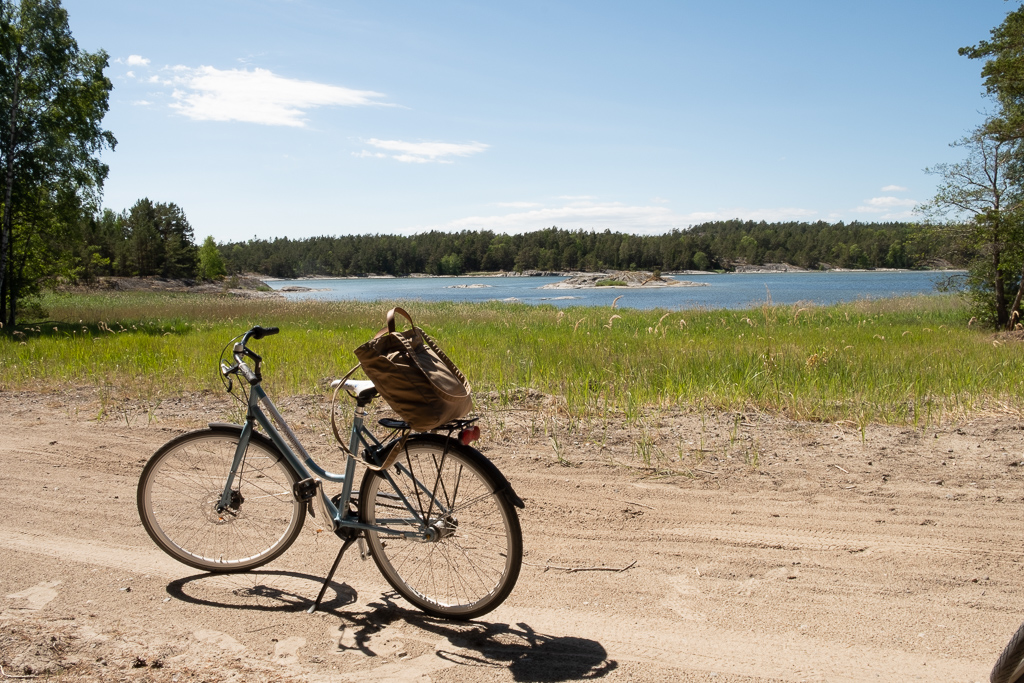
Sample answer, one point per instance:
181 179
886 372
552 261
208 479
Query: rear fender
501 484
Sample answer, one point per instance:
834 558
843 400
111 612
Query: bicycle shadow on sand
260 590
530 657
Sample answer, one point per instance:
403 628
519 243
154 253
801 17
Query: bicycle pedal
364 555
305 490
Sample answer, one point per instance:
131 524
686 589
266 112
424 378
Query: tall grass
898 361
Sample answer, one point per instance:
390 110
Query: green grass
610 283
909 361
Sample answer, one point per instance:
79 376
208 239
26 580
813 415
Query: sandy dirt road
782 552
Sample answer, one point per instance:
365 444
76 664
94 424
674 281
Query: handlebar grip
261 332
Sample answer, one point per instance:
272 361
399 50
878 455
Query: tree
1003 74
99 246
52 100
976 198
144 250
46 223
211 265
451 264
159 241
180 253
992 181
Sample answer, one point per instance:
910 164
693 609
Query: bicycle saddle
362 388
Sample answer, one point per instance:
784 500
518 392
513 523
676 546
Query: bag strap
334 399
447 361
392 455
407 345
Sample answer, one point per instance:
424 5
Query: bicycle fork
227 495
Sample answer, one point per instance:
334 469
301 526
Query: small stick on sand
840 468
570 570
7 675
632 502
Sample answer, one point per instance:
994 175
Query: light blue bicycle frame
360 436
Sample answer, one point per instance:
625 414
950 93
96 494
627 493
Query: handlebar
258 333
242 351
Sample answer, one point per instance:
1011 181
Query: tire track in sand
655 639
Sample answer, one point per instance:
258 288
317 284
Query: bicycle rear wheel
180 489
1009 667
472 559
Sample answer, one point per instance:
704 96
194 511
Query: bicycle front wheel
471 558
180 491
1010 666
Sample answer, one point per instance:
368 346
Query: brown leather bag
414 375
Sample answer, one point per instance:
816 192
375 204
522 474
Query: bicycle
1009 668
438 518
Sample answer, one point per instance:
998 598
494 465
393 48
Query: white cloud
363 154
257 96
787 213
413 159
894 188
518 205
136 60
142 103
613 216
888 208
880 204
425 152
130 74
153 79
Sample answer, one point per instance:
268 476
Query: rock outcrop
629 278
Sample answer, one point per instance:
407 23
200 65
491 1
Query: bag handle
391 318
390 327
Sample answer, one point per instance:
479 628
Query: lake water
727 290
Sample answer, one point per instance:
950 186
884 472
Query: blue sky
269 118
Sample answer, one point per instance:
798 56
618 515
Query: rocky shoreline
620 279
241 286
629 276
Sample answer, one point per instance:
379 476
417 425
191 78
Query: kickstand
334 567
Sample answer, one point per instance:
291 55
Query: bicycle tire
473 563
182 483
1009 667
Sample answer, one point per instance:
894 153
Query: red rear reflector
469 435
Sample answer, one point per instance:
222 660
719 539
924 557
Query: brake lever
227 371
